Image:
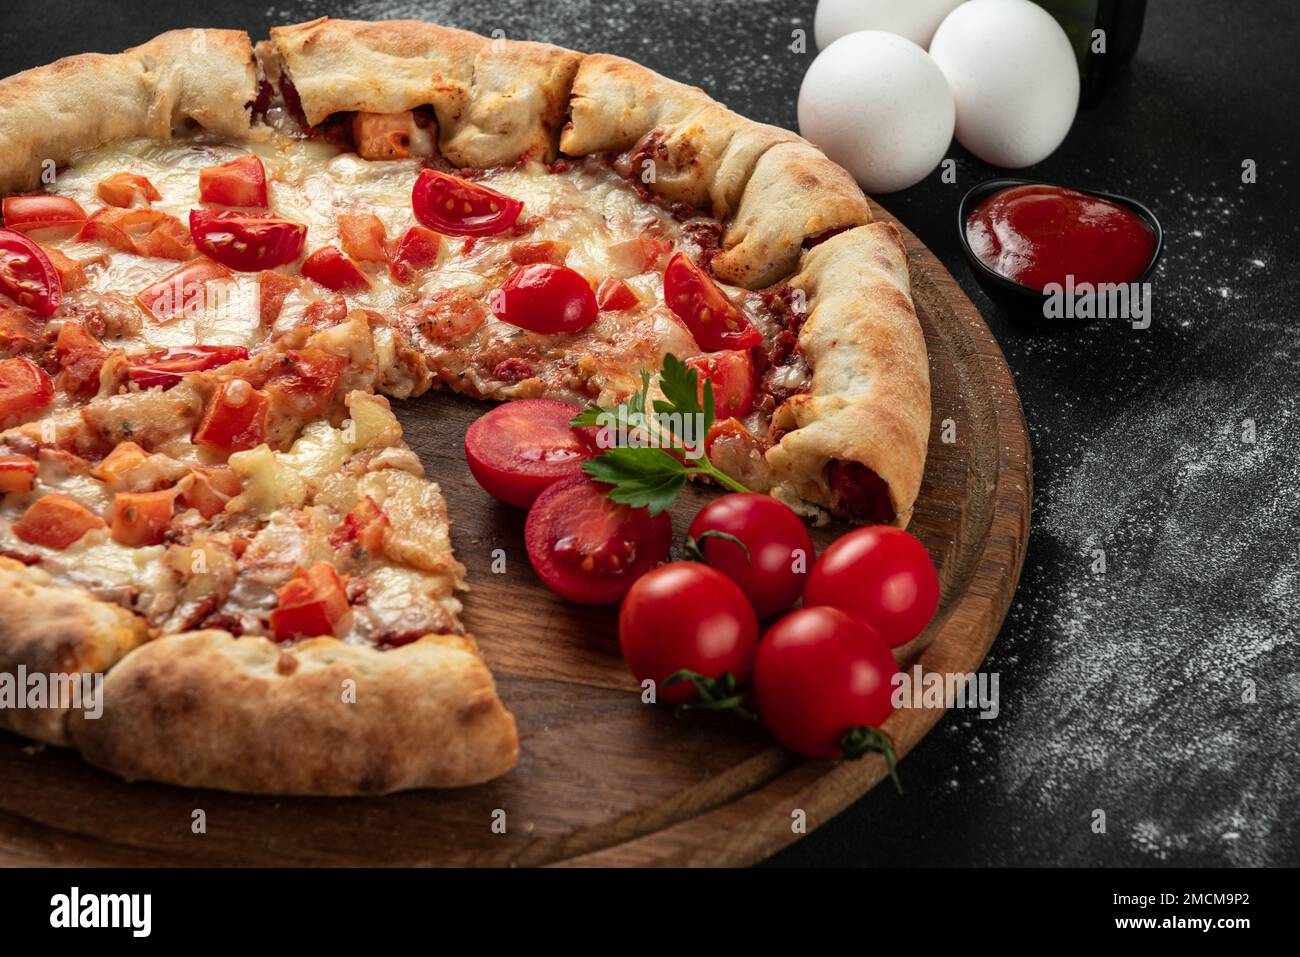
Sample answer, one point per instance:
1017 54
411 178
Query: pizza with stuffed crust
218 258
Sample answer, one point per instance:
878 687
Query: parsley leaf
641 478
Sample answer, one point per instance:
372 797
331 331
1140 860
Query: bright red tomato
614 295
713 319
247 242
519 449
883 576
241 182
732 375
30 213
309 604
167 367
181 292
546 298
26 274
780 549
821 679
589 549
56 521
418 248
333 270
24 388
685 615
457 207
235 418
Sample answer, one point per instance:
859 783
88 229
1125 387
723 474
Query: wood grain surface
602 778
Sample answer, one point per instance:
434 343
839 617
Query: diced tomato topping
333 270
209 489
384 136
732 375
183 292
614 295
643 254
273 289
17 473
363 528
457 207
309 604
141 518
241 182
56 521
713 319
167 367
72 275
418 248
24 388
235 418
145 232
125 190
80 357
539 251
124 457
26 274
305 381
362 236
18 329
167 239
31 213
247 242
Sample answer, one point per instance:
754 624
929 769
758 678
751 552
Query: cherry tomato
125 190
247 242
546 298
418 248
17 474
24 388
141 518
589 549
167 367
713 319
309 604
26 274
780 549
883 576
519 449
457 207
333 270
732 375
821 675
685 615
241 182
29 213
56 521
614 295
235 418
181 292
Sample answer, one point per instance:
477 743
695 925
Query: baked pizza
218 259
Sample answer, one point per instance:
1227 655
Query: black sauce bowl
1027 304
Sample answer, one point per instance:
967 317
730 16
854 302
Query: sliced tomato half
457 207
247 242
521 448
546 298
713 319
732 375
26 274
30 213
241 182
167 367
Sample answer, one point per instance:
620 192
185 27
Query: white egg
915 19
1014 77
880 107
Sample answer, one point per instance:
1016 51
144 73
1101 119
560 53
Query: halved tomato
362 236
247 242
235 418
333 270
418 248
141 518
614 295
589 549
732 375
519 449
80 357
31 213
26 274
241 182
309 604
182 292
167 367
457 207
713 319
56 521
125 190
17 474
546 298
24 388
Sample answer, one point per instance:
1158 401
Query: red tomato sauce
1036 235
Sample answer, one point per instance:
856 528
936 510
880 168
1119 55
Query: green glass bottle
1103 57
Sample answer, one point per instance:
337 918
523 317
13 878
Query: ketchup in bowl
1036 234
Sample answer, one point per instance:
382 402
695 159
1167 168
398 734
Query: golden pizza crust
204 709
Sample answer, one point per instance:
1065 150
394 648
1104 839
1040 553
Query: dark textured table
1166 690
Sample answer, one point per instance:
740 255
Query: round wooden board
602 779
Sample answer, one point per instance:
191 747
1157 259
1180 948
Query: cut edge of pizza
204 708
